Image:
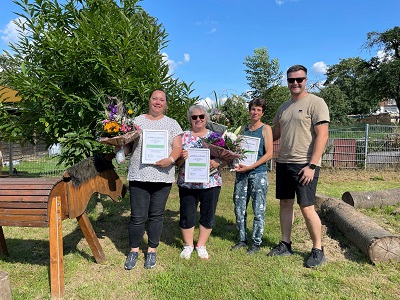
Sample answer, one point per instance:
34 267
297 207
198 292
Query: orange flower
111 127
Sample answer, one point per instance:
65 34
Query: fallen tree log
376 242
372 199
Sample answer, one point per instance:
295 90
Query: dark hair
258 102
296 68
161 90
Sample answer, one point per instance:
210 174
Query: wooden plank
25 192
24 223
25 186
24 198
8 180
91 238
23 211
22 217
3 245
26 205
56 250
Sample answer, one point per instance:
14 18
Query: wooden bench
46 202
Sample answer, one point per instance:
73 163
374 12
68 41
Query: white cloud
319 67
384 56
172 65
212 25
186 57
10 33
281 2
207 102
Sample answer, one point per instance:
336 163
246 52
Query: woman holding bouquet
150 184
191 194
252 180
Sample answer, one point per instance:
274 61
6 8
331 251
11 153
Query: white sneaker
202 252
187 251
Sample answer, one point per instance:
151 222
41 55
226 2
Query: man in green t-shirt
302 124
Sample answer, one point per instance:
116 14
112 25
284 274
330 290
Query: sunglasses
298 79
201 117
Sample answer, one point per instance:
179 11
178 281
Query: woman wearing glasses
150 184
191 194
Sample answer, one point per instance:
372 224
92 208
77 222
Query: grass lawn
347 274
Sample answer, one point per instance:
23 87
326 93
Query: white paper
154 146
197 165
250 146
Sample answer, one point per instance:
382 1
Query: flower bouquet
118 127
225 146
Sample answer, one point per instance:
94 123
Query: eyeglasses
201 117
298 79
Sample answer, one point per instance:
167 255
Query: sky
210 39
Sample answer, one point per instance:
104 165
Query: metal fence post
10 159
366 145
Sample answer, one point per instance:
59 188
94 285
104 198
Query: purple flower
220 143
215 136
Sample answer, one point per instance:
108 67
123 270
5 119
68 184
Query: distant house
389 106
8 95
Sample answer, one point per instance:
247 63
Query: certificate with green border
197 165
154 146
250 146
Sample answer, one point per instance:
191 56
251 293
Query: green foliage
265 80
236 111
367 83
350 76
75 52
278 95
338 103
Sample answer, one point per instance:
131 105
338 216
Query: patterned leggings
254 186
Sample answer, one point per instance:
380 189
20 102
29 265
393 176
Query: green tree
384 72
338 103
72 56
351 77
235 109
264 78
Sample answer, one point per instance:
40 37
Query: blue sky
209 39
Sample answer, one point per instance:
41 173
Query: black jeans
148 200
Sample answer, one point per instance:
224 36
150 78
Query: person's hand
163 163
242 168
306 175
185 154
214 164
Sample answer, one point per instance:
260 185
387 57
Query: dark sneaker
150 262
131 260
316 258
253 249
239 245
282 249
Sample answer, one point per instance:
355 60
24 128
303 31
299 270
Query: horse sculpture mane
87 169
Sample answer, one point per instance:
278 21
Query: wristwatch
312 166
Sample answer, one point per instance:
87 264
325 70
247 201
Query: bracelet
172 160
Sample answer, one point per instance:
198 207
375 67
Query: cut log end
385 249
5 286
346 197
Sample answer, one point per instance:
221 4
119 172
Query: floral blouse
190 141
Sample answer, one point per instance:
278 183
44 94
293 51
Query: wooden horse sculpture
45 202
